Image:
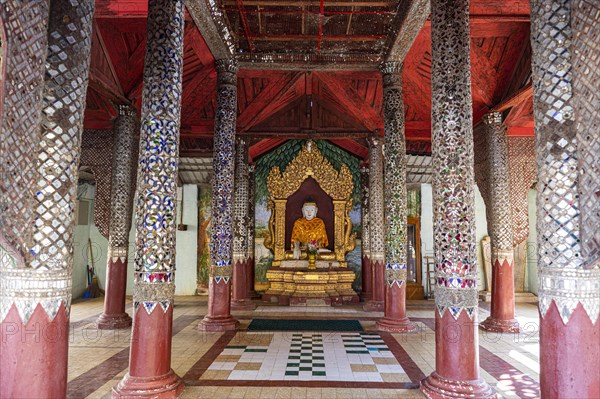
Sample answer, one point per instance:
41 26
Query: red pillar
569 355
239 297
38 348
502 315
456 372
219 316
250 275
367 279
395 319
114 315
150 373
376 303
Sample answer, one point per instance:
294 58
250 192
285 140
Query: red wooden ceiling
341 106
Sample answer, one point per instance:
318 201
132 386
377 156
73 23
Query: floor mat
304 325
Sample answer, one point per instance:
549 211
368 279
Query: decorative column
150 373
219 317
251 232
376 229
114 315
456 372
367 275
42 123
565 77
502 317
239 300
394 319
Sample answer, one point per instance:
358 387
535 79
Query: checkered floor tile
306 356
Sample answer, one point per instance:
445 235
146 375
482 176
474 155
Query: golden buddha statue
309 227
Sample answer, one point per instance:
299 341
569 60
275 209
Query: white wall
531 278
426 227
186 253
187 241
480 232
80 243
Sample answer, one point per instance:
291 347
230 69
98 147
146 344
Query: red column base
162 387
374 306
242 304
113 321
218 323
436 387
498 325
403 325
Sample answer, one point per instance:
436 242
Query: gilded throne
310 175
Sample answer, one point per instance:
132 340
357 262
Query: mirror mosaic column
365 245
46 80
376 227
565 77
502 317
219 317
114 315
150 373
456 372
251 270
239 300
394 319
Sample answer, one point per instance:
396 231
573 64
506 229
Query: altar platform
294 284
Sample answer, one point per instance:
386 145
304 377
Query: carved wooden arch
338 185
310 162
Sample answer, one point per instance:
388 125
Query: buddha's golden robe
306 230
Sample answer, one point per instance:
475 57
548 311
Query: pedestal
114 315
301 286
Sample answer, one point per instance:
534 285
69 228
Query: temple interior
300 199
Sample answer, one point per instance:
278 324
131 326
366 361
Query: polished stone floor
299 364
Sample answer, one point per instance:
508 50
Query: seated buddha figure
308 228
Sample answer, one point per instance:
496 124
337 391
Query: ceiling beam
264 146
349 98
309 3
211 23
410 19
483 76
270 100
352 147
517 98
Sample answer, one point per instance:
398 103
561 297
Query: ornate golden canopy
338 185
